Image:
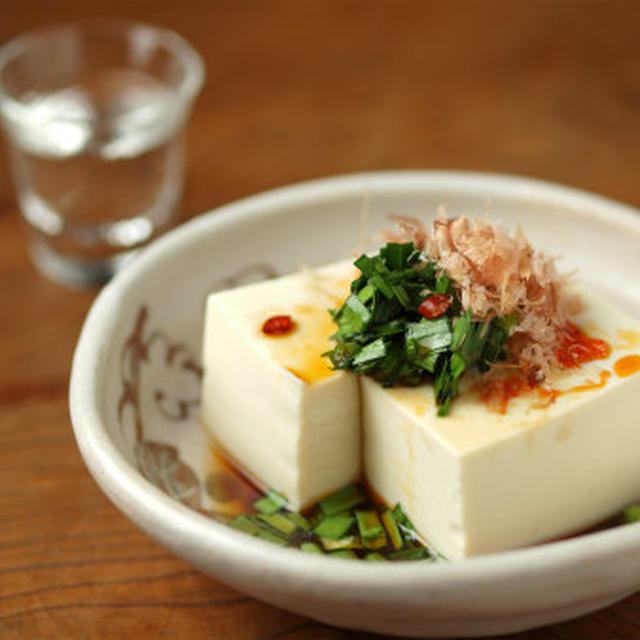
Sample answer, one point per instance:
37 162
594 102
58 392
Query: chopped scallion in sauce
374 533
346 524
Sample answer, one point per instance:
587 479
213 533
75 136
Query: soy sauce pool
350 523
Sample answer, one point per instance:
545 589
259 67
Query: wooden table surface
294 90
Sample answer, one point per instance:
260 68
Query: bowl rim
191 534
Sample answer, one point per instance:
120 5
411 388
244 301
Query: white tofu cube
272 402
477 481
473 482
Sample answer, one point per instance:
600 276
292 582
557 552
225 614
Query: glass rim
172 41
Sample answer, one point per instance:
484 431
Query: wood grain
294 90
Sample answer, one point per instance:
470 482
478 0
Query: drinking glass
94 114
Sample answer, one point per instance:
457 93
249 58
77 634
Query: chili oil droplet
278 326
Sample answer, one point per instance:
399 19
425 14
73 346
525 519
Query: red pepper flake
278 326
576 347
434 306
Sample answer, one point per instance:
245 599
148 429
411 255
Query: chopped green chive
381 332
279 522
371 529
416 553
404 524
311 547
342 500
374 556
442 284
346 553
298 519
245 523
258 526
353 317
334 527
271 503
348 524
273 537
348 542
632 513
393 531
372 352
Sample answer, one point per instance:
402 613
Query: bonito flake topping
497 273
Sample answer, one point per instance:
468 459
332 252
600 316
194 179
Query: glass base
77 273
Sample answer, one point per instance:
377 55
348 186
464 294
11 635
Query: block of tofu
477 481
272 402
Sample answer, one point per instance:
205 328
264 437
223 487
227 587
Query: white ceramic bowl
135 385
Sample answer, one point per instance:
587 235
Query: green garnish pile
347 524
382 334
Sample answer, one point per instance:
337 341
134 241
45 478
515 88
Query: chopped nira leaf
344 553
632 513
371 530
253 526
404 524
270 536
353 317
373 351
393 531
279 522
271 503
245 523
348 542
348 521
342 500
298 519
414 553
380 332
442 284
334 527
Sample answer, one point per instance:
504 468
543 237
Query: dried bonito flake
497 273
